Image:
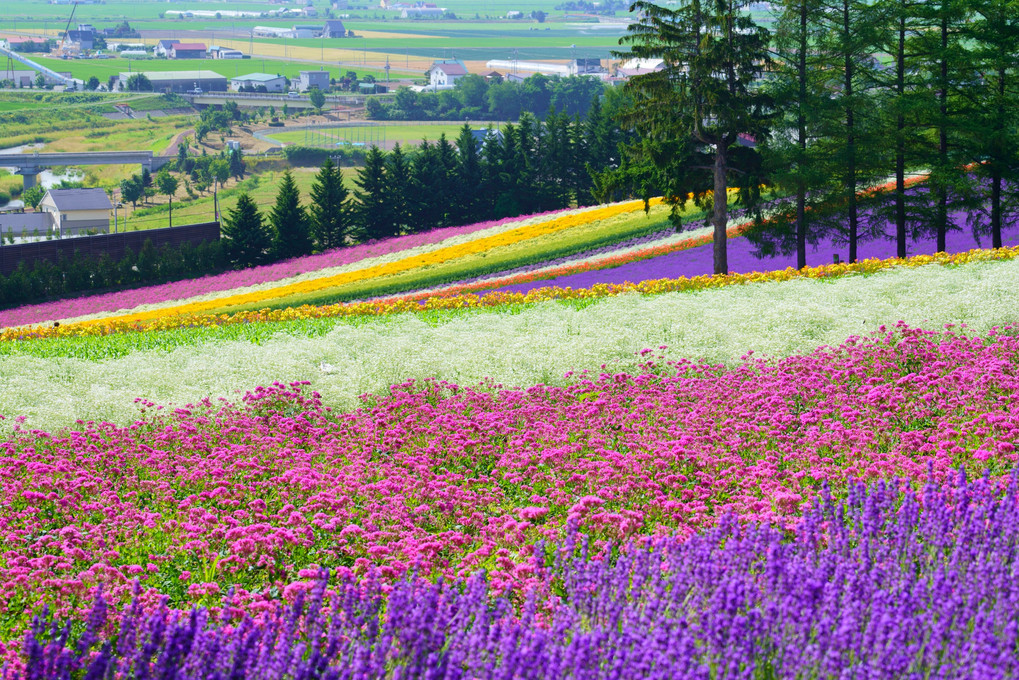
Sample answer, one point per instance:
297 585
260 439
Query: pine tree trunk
900 145
996 179
996 183
801 185
854 218
720 219
941 216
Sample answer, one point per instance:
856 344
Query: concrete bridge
29 165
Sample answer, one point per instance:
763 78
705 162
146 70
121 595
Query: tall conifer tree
446 182
468 178
899 26
948 74
995 30
426 204
398 191
330 211
289 221
374 218
246 238
793 164
692 114
848 37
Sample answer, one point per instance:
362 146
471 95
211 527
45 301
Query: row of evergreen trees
80 273
838 95
533 166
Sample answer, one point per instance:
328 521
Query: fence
113 245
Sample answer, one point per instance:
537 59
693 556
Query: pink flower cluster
447 480
180 290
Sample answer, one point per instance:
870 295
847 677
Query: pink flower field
438 480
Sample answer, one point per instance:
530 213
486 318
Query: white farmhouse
78 211
444 74
163 47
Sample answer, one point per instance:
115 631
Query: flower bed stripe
426 302
234 282
435 257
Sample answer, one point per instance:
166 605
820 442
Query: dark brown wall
113 244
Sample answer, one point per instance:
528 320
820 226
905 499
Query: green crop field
104 68
380 135
481 31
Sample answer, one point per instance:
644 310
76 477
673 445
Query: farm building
163 47
188 51
270 32
639 67
217 52
306 31
26 77
422 13
23 224
586 67
310 79
77 211
81 41
27 44
180 81
334 29
256 81
529 67
444 73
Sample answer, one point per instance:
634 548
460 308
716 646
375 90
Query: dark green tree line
851 93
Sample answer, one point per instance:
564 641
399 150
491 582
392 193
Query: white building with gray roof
74 212
179 81
256 81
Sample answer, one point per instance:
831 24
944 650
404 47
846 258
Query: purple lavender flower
888 583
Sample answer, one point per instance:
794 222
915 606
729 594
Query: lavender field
744 258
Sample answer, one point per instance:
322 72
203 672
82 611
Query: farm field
383 135
409 46
105 68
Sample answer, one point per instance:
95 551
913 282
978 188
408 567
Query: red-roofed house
443 74
188 51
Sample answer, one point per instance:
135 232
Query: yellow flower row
496 299
433 258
